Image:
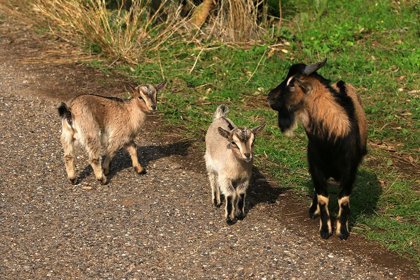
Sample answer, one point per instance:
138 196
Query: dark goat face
288 97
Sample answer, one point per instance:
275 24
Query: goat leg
314 209
131 148
230 209
215 190
325 228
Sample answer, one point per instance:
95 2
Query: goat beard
287 123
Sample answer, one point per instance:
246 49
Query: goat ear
309 69
223 132
306 86
135 92
130 88
161 85
257 130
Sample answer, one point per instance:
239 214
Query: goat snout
153 108
248 156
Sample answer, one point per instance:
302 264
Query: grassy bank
373 45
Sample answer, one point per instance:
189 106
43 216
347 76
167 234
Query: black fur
337 156
286 119
313 208
230 125
344 231
325 217
106 97
64 111
230 208
241 201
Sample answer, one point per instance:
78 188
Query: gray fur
229 159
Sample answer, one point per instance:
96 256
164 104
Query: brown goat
105 124
336 126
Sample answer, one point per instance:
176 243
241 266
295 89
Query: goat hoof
73 181
107 171
103 180
325 234
241 216
217 204
313 214
140 171
231 222
344 235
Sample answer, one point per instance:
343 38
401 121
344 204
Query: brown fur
315 104
336 125
360 113
321 106
104 125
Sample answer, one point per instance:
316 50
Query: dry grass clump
237 21
118 34
128 32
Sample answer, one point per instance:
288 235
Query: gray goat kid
229 159
105 124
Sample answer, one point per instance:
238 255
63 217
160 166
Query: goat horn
313 68
129 87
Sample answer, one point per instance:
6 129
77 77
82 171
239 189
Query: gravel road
155 226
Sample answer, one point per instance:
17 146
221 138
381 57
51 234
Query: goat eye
234 144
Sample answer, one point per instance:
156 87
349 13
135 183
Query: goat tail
221 112
65 113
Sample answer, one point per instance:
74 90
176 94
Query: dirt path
159 225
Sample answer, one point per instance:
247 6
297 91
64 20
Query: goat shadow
261 191
146 154
363 200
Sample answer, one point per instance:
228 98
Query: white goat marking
288 81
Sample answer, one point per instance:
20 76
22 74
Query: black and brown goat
336 126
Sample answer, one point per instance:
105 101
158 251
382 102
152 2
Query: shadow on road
146 154
261 191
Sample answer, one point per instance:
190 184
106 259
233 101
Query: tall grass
125 35
237 21
118 34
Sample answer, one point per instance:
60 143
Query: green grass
373 45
